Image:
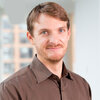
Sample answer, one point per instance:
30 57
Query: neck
54 67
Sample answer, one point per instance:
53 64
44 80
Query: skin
50 40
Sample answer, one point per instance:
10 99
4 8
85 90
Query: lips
54 48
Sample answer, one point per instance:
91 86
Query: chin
55 58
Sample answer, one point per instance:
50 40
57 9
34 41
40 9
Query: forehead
49 22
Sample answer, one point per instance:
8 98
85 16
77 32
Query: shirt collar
42 73
66 72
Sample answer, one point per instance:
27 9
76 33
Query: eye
44 32
61 30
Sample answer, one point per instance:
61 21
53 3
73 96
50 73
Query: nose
54 38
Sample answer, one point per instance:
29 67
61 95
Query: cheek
40 42
64 39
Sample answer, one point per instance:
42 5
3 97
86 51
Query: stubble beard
55 59
50 58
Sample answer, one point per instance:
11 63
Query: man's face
50 38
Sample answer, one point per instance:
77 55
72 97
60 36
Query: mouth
53 48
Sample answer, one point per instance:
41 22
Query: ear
30 38
69 33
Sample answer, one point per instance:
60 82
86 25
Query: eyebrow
63 27
44 29
50 30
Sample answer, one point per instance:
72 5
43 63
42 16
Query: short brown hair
49 8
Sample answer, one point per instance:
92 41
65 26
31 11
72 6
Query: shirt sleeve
8 92
90 94
88 88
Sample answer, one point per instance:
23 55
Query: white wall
87 43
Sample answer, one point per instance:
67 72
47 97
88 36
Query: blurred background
83 54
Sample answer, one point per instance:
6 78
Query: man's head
49 31
48 8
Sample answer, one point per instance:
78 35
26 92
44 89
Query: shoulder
79 80
17 75
10 87
15 85
17 79
77 77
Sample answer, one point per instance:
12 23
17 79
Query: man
46 78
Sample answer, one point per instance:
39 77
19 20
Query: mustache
53 45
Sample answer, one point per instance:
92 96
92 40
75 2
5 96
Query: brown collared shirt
36 82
